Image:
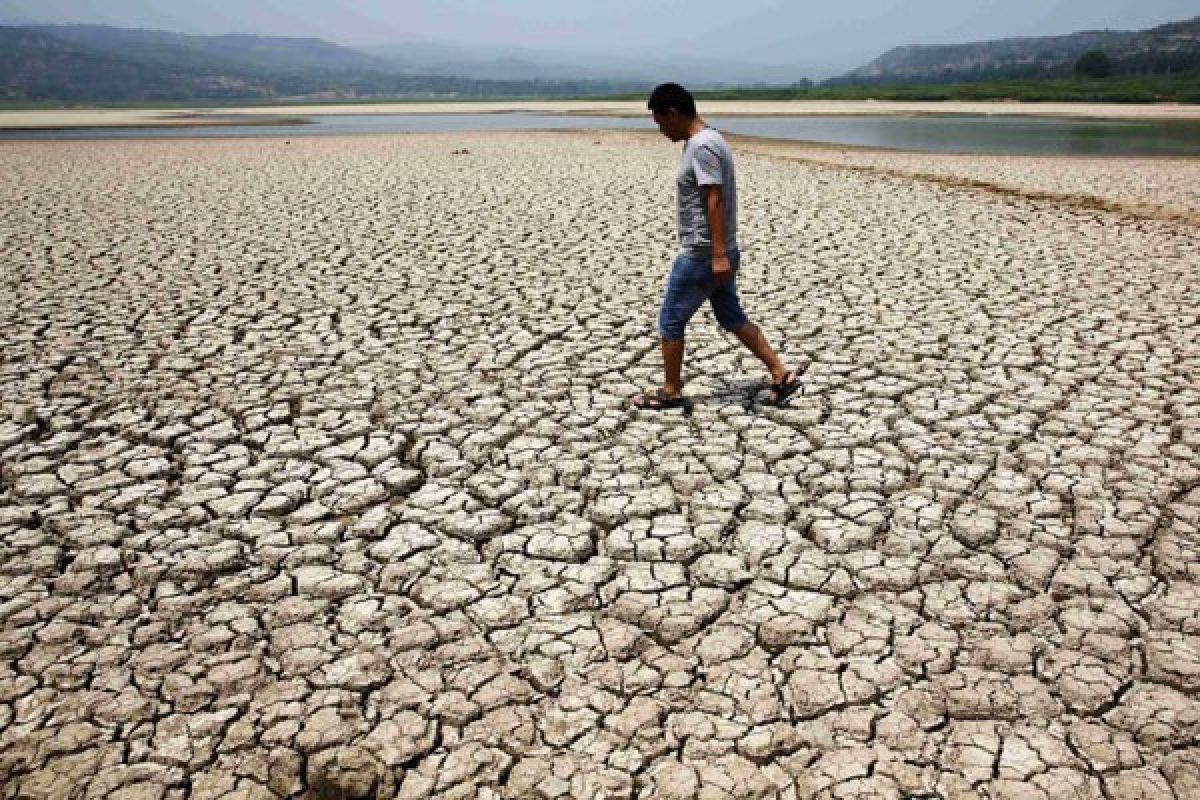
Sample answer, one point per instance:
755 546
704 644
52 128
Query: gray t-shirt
707 161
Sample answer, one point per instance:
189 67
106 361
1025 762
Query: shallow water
959 134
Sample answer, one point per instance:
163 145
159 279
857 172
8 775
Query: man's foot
658 401
784 388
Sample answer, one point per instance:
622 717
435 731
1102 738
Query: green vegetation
1094 64
1148 89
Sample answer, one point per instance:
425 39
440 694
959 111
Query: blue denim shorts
689 285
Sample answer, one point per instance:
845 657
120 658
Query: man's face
671 124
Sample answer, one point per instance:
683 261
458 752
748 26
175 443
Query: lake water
944 134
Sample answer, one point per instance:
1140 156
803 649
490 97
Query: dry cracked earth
318 480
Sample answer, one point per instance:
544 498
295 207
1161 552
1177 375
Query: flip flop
658 401
784 389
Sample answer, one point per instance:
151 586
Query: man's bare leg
751 336
672 351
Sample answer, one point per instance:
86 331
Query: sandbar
100 118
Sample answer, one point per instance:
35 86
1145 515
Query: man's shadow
748 393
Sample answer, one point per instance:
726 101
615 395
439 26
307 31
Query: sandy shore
1156 187
56 119
317 474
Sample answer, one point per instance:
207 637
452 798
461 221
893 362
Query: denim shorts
689 285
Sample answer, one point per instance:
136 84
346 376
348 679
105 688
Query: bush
1093 64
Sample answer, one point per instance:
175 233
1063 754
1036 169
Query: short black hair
667 96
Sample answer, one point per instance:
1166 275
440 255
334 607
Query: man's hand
722 271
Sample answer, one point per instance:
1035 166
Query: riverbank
1151 187
317 468
61 119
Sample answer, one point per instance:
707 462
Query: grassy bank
1151 89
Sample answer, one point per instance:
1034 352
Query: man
706 269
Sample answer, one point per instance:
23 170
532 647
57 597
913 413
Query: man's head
674 110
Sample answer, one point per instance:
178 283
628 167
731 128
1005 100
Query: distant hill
234 51
499 63
1167 49
36 66
522 63
89 63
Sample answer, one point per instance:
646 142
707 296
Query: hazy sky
837 35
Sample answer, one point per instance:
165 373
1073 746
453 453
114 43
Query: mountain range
520 63
95 63
86 63
1166 49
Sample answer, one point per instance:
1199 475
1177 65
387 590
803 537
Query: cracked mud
318 479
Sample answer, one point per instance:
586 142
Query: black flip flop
784 389
659 401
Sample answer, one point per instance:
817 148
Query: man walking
706 268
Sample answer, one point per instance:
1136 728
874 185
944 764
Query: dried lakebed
317 479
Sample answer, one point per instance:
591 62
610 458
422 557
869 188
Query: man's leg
751 336
684 294
784 382
672 351
727 308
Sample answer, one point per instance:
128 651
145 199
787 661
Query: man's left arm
710 176
714 206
